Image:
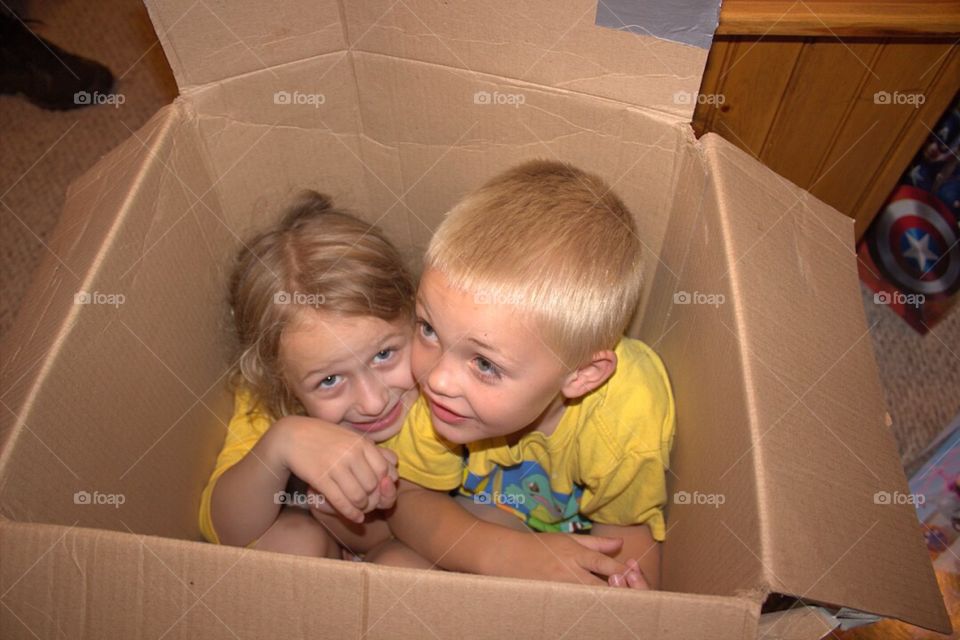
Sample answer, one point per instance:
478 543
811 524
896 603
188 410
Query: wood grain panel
872 130
820 96
877 18
752 83
945 82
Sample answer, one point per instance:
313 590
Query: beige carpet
42 151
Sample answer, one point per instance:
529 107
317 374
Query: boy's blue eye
329 382
426 330
486 368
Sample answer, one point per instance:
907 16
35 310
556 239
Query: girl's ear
591 375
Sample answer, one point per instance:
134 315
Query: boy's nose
440 380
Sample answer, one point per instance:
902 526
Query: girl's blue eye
329 382
383 355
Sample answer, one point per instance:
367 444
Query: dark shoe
46 74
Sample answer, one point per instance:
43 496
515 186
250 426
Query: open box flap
81 366
111 584
834 508
542 42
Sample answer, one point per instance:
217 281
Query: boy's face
483 368
354 371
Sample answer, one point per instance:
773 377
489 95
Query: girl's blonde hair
317 257
551 241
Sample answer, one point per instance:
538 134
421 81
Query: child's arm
436 527
347 468
638 544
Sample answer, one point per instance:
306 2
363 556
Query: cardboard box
113 379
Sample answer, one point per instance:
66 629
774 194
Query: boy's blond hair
554 241
317 257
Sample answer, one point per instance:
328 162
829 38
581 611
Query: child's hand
563 557
632 579
347 468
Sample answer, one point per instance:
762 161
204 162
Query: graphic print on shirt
524 490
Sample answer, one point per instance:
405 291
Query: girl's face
352 371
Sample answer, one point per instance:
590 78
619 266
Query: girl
323 309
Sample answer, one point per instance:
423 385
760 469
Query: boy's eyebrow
423 303
488 347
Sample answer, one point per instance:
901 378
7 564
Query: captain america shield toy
915 244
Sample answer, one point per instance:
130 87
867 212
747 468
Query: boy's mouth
445 414
380 423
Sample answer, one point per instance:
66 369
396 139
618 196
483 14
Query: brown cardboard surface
699 345
541 42
777 395
133 378
75 582
819 445
207 43
424 143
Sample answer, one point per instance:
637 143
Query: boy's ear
591 375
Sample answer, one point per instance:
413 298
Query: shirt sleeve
633 493
247 426
423 457
624 468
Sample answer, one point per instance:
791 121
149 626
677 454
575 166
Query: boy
533 404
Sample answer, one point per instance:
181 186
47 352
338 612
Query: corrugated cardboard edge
106 584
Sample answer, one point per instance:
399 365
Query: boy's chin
457 434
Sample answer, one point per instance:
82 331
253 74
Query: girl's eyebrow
323 369
376 347
382 340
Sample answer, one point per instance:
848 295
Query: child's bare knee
296 532
394 553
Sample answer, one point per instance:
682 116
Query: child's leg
296 532
394 553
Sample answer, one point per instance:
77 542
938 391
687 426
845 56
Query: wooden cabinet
834 96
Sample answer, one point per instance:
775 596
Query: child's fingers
354 493
390 456
599 543
382 461
635 580
338 501
601 565
388 493
368 479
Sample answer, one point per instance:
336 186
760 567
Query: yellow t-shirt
248 424
605 462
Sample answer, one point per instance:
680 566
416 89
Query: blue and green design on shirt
524 490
